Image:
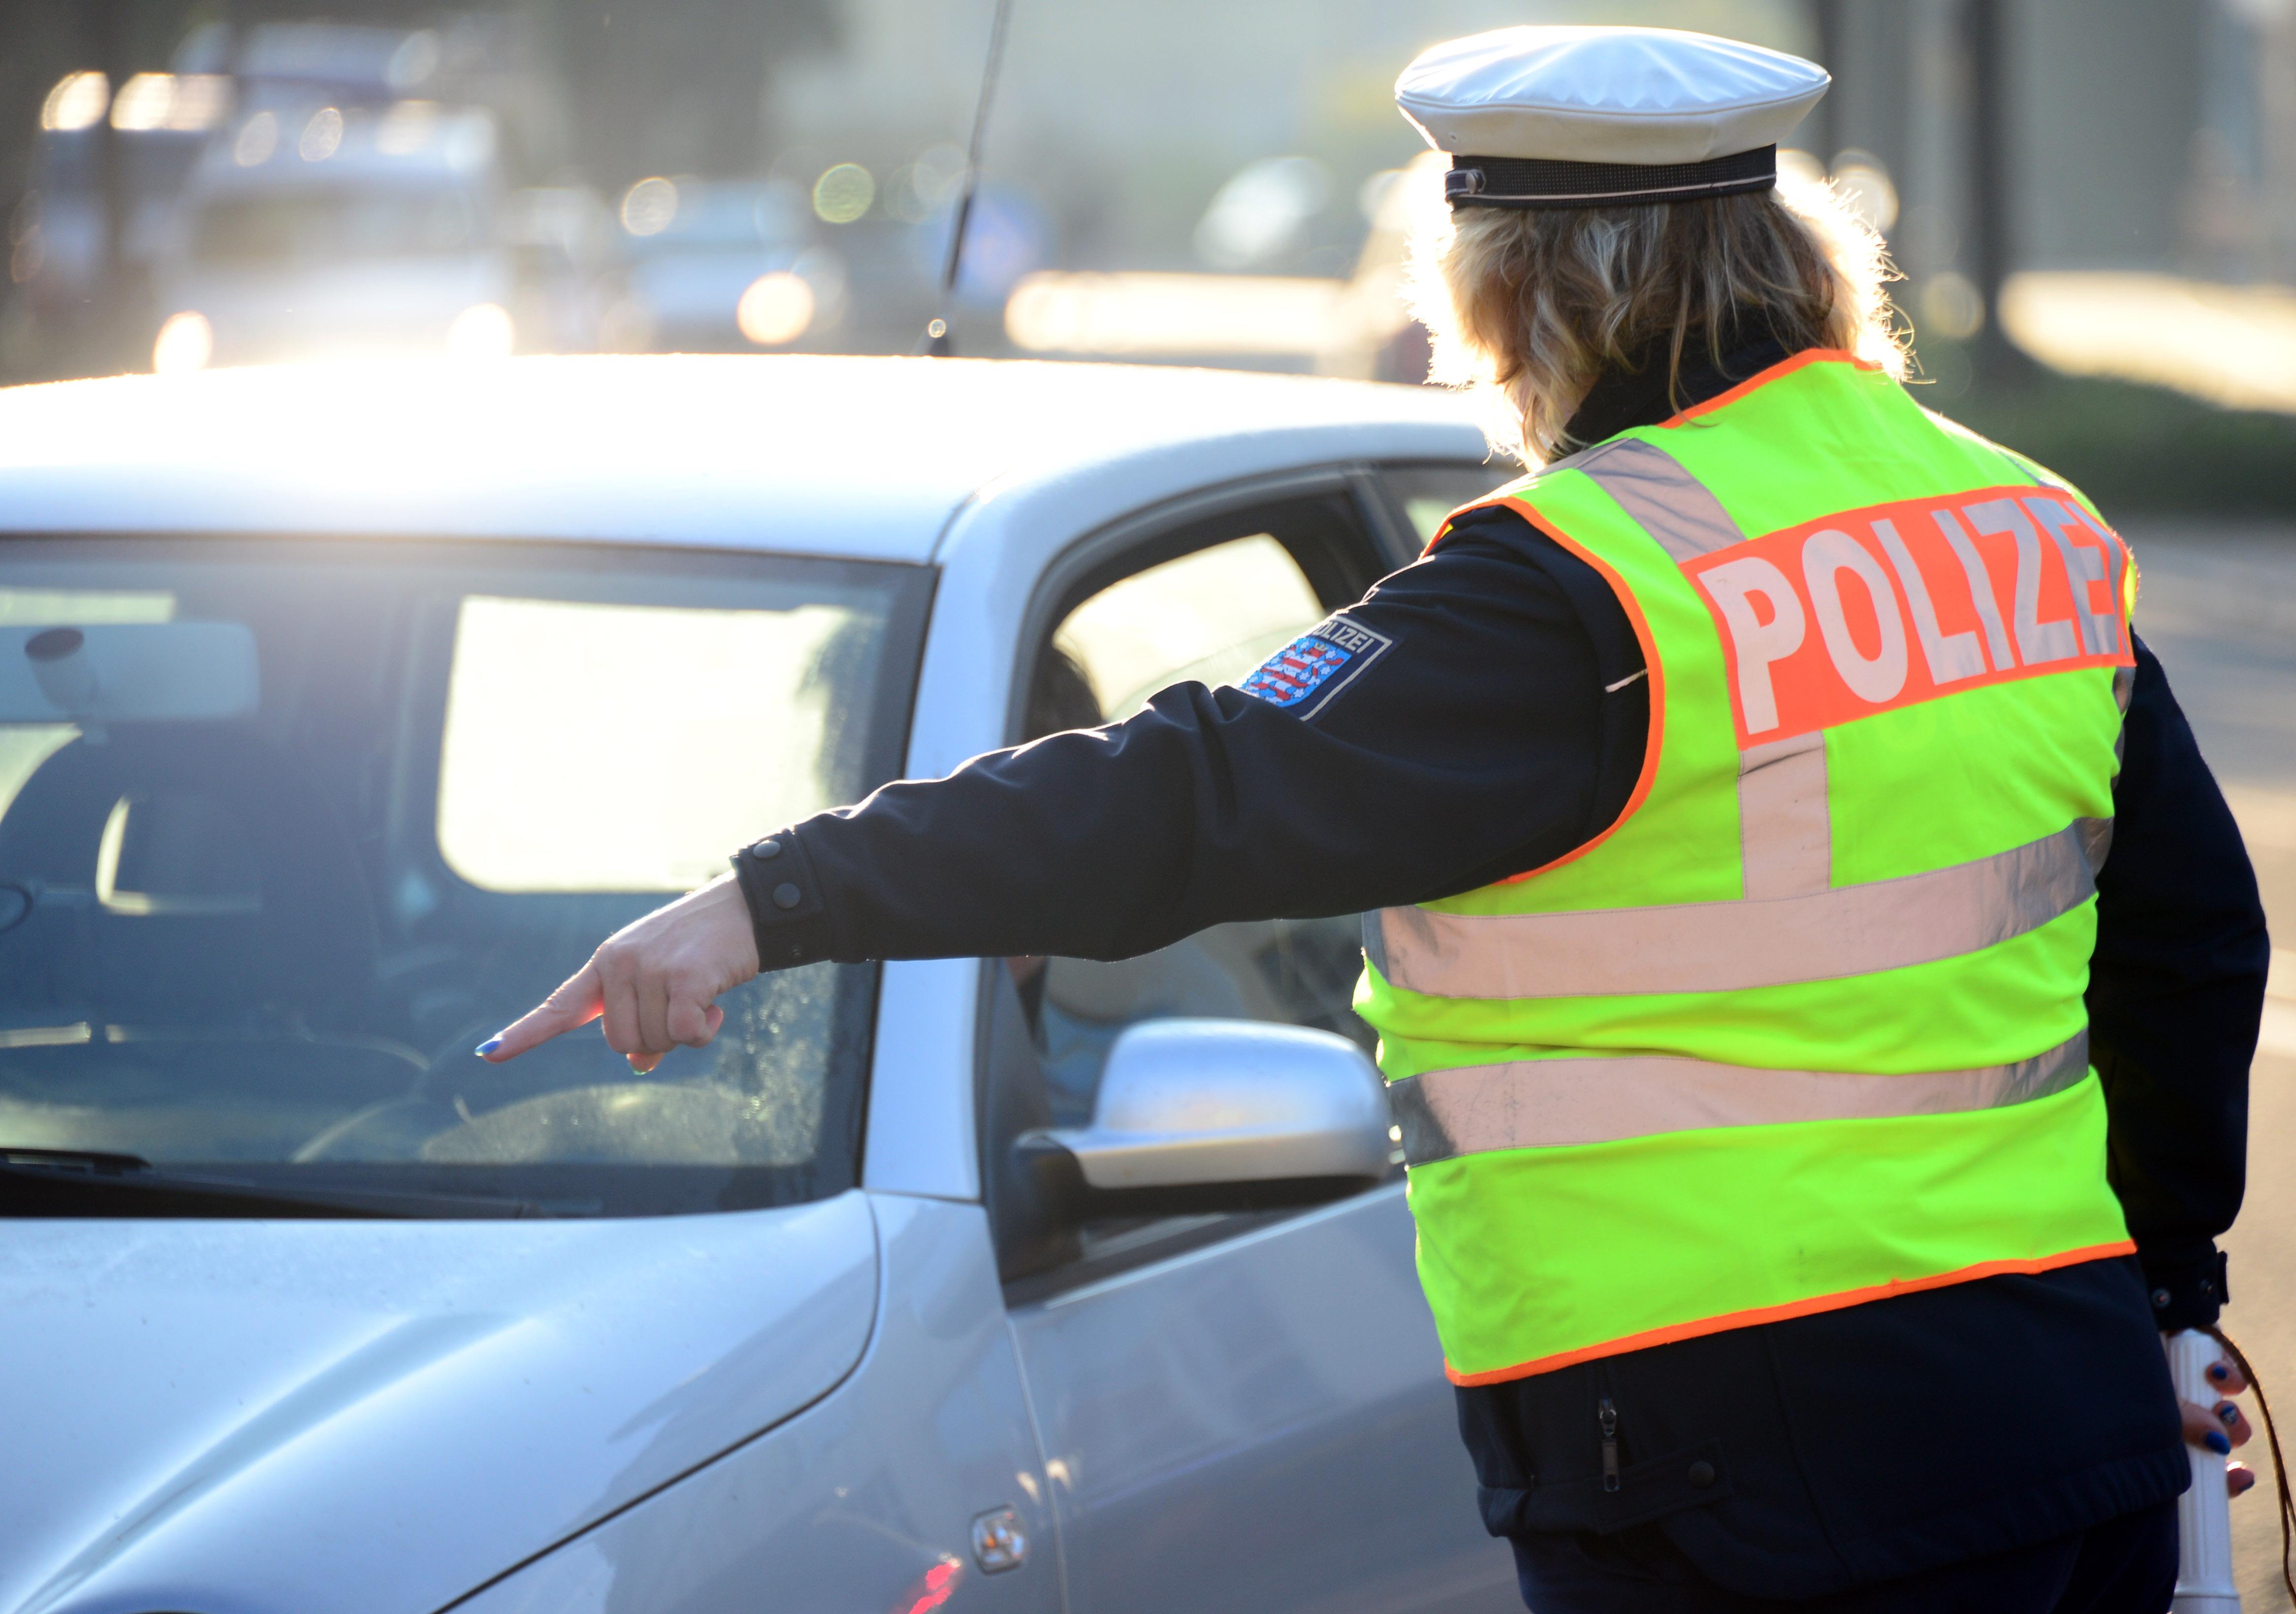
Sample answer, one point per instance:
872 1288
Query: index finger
580 1000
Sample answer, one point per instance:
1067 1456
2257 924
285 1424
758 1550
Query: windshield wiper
92 1182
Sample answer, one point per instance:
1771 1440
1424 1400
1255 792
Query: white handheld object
2204 1583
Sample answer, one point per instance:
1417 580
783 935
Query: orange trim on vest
1763 378
1626 597
1792 1309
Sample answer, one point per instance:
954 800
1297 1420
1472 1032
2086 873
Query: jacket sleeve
1476 739
2175 992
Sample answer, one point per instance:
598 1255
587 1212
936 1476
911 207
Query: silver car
1017 1284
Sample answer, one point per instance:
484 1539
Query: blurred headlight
776 308
649 206
186 342
77 102
481 331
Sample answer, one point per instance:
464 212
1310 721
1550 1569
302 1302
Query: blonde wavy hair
1528 307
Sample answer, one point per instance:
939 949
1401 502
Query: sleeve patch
1307 675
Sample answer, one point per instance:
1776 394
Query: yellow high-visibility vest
1804 1027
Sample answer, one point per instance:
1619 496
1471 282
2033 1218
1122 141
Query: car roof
826 454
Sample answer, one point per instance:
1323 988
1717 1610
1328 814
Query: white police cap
1561 117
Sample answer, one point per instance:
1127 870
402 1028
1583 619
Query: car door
1243 1412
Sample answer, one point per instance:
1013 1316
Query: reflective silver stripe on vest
1547 1103
1732 947
1663 499
1785 834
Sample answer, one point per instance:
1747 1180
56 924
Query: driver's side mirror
1195 1115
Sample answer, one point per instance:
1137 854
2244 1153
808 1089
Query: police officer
1811 1131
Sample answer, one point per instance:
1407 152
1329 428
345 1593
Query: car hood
243 1417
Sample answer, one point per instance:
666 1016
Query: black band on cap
1512 181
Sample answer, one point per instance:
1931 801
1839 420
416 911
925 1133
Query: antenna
938 341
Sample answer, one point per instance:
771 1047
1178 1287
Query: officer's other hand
2221 1426
655 982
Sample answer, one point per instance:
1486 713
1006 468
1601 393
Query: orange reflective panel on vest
1869 609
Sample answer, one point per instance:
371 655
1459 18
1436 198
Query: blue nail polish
2215 1441
2228 1413
2219 1373
489 1046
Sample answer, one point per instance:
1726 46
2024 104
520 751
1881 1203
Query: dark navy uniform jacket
1499 728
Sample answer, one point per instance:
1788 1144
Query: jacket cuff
2186 1282
787 915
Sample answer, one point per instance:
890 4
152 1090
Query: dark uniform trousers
2124 1566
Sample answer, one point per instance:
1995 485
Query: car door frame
993 604
1023 1224
1041 1266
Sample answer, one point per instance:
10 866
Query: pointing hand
656 982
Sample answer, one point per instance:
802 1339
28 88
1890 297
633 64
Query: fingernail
2228 1413
2219 1373
2215 1441
489 1046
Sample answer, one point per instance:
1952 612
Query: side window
1425 493
1210 614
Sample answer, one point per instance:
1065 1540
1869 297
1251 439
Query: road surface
2218 606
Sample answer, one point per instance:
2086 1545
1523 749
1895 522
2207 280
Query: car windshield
287 828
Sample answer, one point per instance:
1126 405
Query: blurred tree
1822 135
1998 362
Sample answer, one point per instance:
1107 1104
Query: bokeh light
1951 306
183 102
143 102
843 193
777 309
1262 212
406 128
77 102
649 206
258 137
321 135
482 330
916 189
186 341
1149 313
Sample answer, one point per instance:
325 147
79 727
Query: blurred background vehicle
713 265
315 232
